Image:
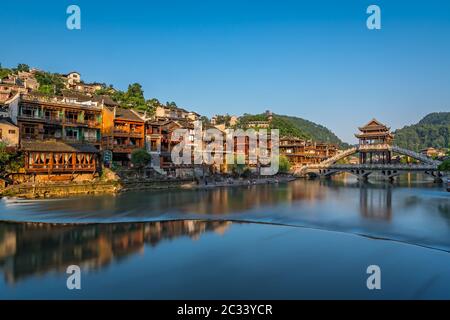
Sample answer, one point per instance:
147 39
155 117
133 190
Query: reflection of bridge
389 170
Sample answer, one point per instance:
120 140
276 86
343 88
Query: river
303 239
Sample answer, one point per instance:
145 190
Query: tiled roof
126 114
159 123
106 100
57 146
7 120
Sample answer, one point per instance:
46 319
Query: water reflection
34 249
376 203
415 213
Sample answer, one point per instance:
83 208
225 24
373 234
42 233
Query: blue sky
312 59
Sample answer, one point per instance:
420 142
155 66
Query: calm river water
304 239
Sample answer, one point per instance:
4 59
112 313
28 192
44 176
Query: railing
398 166
340 155
53 119
415 155
31 116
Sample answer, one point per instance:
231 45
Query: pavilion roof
57 146
373 125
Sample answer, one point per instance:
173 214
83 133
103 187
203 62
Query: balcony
55 120
127 133
124 148
30 117
93 123
93 140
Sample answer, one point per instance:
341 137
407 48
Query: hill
316 131
294 126
432 131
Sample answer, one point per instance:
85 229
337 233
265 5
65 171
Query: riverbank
67 189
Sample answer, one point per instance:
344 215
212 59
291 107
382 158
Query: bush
9 161
140 158
284 164
445 166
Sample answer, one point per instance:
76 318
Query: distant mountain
296 127
432 131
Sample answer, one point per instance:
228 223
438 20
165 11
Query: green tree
9 161
445 166
48 80
23 67
284 165
4 72
140 158
205 121
46 89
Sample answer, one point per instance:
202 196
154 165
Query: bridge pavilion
375 141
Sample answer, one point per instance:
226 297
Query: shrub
140 158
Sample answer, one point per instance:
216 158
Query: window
28 132
72 134
153 145
12 131
1 135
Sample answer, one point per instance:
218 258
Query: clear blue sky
313 59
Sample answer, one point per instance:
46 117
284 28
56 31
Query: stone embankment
66 189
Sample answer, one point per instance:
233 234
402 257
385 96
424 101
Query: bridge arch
330 167
348 152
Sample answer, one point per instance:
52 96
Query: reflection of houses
375 203
27 250
302 152
123 132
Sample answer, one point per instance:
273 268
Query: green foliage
223 119
50 83
9 161
46 89
294 127
22 67
205 121
284 165
432 131
316 131
133 98
4 72
286 128
445 165
140 158
106 91
237 169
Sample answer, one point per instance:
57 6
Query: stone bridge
330 166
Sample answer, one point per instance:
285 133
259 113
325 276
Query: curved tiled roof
57 146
